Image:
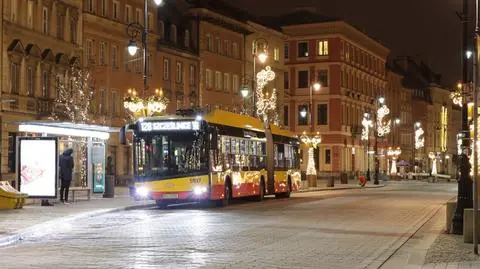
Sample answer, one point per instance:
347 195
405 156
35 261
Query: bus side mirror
123 135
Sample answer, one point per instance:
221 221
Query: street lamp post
381 129
262 57
311 141
367 124
419 142
244 92
156 103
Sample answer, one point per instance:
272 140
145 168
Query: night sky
425 29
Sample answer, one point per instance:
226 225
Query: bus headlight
199 190
142 191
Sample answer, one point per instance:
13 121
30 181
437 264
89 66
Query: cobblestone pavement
348 229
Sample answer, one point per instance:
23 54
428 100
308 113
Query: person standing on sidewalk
66 170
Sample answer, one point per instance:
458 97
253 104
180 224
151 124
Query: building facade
39 41
350 66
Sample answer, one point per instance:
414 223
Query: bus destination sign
152 126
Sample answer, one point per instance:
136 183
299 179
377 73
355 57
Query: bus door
270 163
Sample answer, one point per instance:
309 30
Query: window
323 77
209 79
138 15
322 114
60 26
101 52
226 47
179 72
45 21
45 84
29 14
235 50
114 103
328 157
218 80
219 45
101 105
73 31
14 78
128 14
286 81
226 82
193 75
285 50
302 49
322 47
150 21
116 9
30 81
209 42
114 57
276 54
90 5
104 8
173 33
302 79
186 39
302 120
14 7
166 69
285 115
161 29
235 84
89 50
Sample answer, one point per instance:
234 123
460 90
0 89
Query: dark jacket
66 165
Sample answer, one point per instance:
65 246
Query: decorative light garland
312 143
152 105
367 124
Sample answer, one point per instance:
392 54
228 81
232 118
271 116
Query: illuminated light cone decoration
433 156
394 153
312 143
152 105
266 104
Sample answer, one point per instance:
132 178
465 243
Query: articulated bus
215 157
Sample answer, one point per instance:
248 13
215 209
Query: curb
342 188
46 227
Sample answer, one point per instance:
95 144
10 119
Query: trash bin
109 187
331 181
344 178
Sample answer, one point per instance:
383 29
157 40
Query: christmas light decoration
383 128
152 105
312 143
266 103
394 153
367 124
433 156
457 98
419 139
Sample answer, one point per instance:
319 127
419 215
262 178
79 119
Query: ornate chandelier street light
312 143
145 107
394 153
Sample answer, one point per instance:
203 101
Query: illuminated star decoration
457 98
367 124
312 143
265 103
419 139
383 128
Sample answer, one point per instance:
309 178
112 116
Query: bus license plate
170 196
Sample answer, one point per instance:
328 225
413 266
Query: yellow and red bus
214 157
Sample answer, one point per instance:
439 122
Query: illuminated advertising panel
37 166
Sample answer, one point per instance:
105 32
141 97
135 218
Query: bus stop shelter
89 145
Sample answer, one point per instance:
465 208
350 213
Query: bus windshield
167 155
